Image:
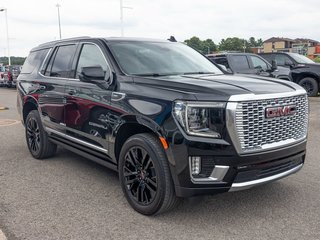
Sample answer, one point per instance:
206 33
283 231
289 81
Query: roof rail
63 40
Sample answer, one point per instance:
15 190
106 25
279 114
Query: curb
2 236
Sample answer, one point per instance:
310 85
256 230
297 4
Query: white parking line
2 236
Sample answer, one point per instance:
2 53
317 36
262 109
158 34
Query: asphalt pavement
70 197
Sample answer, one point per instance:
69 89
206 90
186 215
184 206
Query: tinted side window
239 62
222 61
91 56
61 63
258 63
283 59
34 60
267 57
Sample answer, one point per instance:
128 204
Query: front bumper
243 172
253 183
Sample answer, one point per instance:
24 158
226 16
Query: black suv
304 71
161 115
249 63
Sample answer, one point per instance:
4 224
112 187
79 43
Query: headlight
200 119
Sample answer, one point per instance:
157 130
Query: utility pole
121 16
58 7
6 15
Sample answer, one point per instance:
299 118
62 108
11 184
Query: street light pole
6 15
58 7
121 16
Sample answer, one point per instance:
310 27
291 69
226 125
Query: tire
145 176
37 139
310 85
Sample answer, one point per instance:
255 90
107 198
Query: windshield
160 58
300 58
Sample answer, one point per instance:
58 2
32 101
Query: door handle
72 92
116 96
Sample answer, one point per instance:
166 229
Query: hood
219 87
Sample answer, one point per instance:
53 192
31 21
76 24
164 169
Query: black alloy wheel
37 139
33 135
310 85
145 175
140 175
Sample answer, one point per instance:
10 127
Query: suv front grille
255 132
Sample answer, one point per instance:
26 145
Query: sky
32 22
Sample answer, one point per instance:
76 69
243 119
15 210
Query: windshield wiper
153 74
190 73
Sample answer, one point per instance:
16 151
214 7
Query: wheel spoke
129 182
148 164
33 145
129 172
129 160
152 192
145 158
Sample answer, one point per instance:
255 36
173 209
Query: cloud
35 21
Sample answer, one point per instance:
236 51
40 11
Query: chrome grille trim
251 132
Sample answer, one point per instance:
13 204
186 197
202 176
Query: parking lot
69 197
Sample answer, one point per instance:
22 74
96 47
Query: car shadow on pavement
219 208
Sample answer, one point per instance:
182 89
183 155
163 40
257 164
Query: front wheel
310 85
145 175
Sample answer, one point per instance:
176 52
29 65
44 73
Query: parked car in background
2 70
304 71
10 76
249 63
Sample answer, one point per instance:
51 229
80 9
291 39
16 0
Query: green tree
194 42
208 46
255 43
14 60
232 44
202 46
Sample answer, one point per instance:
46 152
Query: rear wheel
38 142
310 85
145 175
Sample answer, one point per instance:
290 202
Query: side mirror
274 65
92 74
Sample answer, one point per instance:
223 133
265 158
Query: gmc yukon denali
163 116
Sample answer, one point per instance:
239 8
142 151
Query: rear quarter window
34 60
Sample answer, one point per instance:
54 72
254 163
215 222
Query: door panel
88 101
52 97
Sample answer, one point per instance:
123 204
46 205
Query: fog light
195 163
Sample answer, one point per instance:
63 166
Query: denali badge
280 111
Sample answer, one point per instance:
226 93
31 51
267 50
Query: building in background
303 46
276 44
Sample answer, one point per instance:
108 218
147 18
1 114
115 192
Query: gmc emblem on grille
280 111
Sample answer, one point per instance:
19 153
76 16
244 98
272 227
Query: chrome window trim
42 65
50 130
253 183
44 60
72 79
92 43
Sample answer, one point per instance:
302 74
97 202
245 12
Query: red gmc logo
280 111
